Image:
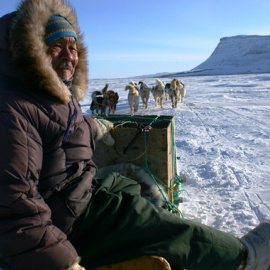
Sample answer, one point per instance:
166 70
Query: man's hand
77 267
103 131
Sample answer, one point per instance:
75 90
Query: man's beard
68 65
64 64
68 83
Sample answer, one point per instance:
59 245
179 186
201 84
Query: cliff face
236 55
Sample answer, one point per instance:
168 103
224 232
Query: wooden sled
141 263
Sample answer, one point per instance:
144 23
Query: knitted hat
58 27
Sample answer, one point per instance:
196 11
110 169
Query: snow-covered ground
222 134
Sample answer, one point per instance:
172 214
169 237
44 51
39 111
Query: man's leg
120 225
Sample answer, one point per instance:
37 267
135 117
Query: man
52 208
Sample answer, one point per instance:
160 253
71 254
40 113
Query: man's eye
55 45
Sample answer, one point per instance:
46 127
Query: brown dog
110 100
176 92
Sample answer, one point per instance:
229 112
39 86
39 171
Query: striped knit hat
58 27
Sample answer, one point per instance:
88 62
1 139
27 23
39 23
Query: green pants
119 225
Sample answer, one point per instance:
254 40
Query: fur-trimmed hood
28 49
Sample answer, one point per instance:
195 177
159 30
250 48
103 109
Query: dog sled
148 143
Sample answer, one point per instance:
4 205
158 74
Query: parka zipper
71 117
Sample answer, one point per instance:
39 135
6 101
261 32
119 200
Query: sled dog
167 88
176 92
133 98
144 93
158 92
97 104
110 100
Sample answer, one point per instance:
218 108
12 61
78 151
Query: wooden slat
159 147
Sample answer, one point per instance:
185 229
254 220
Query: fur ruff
149 189
29 49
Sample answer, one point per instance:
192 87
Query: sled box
141 140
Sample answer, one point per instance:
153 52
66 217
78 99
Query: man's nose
66 54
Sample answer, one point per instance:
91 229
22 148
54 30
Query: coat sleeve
92 127
28 239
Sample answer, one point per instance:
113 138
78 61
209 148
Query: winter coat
46 167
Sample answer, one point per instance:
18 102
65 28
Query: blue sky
136 37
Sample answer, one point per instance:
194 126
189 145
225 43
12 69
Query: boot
257 244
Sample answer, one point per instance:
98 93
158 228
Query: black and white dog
97 106
104 102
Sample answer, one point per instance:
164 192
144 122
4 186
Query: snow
222 135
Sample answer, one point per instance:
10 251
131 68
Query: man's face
64 56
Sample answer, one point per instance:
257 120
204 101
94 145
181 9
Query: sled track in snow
206 126
242 180
256 209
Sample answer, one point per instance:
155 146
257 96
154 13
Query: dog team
104 102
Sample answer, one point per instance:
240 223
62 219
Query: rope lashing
176 181
171 204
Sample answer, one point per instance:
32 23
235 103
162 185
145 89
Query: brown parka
46 144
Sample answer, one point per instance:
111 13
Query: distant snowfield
222 134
